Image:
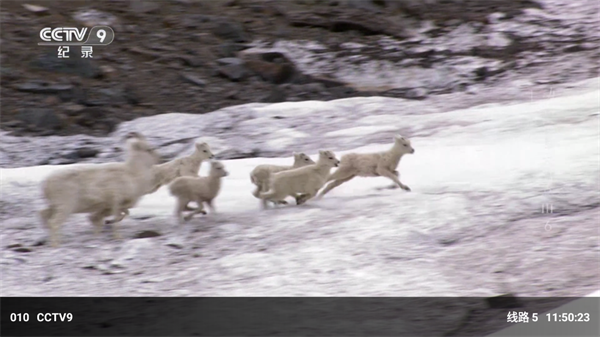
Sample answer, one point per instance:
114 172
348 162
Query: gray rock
193 79
314 87
417 93
230 49
72 65
41 118
9 74
147 234
495 17
194 20
462 39
35 8
277 95
94 17
190 60
175 242
230 30
43 87
498 40
234 72
140 7
86 152
235 153
230 60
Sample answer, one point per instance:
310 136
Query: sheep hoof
406 188
203 212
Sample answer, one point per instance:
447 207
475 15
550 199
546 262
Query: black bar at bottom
276 316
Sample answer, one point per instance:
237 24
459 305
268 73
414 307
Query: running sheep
261 174
381 164
100 190
181 167
305 180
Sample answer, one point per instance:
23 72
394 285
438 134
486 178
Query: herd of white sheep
102 190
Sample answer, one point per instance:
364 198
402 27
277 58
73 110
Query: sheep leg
272 196
264 204
96 220
200 209
257 191
299 198
116 213
59 216
45 215
266 196
339 179
123 214
211 206
179 208
394 186
261 187
264 187
188 208
305 197
393 177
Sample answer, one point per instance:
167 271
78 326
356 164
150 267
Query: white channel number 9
101 34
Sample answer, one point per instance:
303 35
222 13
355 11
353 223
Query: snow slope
472 225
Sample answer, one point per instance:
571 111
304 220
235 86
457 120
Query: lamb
261 174
305 180
382 164
180 167
100 190
198 189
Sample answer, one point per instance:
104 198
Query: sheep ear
199 145
295 154
321 152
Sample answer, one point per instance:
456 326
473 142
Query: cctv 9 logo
98 36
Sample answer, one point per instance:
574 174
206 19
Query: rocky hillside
200 56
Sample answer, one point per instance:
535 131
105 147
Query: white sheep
199 189
181 167
305 181
125 212
261 174
381 164
100 190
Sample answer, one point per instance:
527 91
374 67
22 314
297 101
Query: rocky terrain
199 56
